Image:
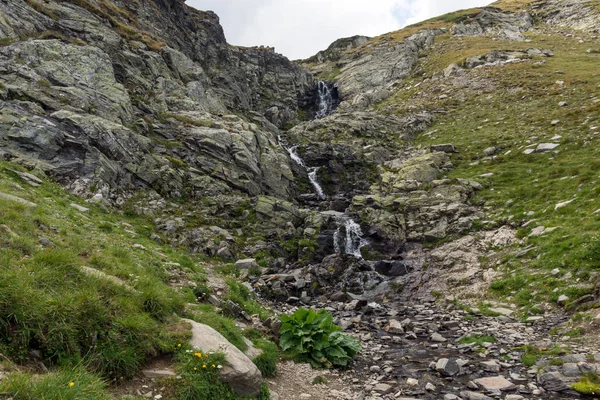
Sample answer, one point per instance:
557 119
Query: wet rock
392 268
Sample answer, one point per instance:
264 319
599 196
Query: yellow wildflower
195 369
178 344
199 355
71 384
212 366
203 365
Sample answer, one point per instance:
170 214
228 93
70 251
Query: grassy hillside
90 295
513 108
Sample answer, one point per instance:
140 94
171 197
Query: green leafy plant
313 337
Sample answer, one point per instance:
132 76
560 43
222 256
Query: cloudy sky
300 28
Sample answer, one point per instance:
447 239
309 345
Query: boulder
494 383
238 370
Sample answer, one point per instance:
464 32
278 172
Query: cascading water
348 238
326 100
311 171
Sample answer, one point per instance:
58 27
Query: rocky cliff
113 95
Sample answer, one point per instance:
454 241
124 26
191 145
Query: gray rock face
127 111
238 370
496 23
363 80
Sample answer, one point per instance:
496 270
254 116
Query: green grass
48 303
184 119
513 109
267 361
199 373
533 353
240 294
70 384
478 340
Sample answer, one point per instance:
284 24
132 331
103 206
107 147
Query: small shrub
588 384
313 337
267 361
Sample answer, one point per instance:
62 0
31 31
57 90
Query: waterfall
348 238
312 177
311 171
326 100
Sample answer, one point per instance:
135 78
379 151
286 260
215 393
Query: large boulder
238 370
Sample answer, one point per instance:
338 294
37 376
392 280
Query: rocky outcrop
494 22
163 42
238 370
366 80
120 98
336 49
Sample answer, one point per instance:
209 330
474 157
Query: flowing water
348 238
311 171
326 100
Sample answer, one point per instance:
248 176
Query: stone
552 381
563 104
546 147
555 122
468 395
394 327
562 299
412 382
436 337
444 148
16 199
430 387
494 383
447 367
238 370
537 231
563 204
502 310
490 366
383 388
247 263
490 151
571 370
80 208
158 373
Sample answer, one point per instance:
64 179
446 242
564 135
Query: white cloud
300 28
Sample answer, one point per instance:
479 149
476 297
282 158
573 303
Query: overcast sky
300 28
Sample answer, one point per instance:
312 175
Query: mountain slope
450 199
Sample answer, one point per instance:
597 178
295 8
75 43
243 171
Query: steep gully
348 238
413 349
